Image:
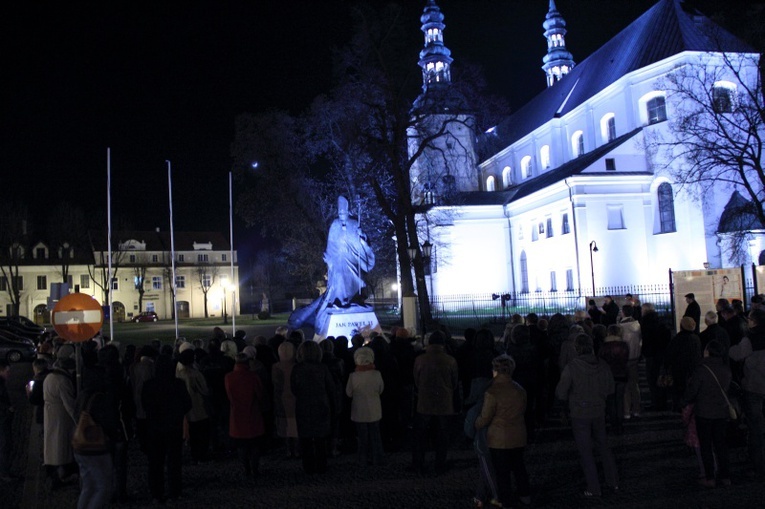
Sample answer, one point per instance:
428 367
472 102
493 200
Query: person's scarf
365 367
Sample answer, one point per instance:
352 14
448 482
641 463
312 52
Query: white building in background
139 259
569 171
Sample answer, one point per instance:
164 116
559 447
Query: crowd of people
314 400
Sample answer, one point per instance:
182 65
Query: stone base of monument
348 322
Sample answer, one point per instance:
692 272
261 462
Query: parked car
19 328
15 348
146 316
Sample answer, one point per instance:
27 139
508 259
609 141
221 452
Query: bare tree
207 274
14 239
67 235
715 139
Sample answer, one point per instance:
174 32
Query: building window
534 233
203 258
524 273
224 257
549 227
610 164
42 282
115 284
84 281
577 144
181 258
131 258
154 258
569 280
40 253
490 183
615 217
19 282
656 109
3 284
544 156
206 281
666 208
564 226
553 282
541 228
608 127
724 97
526 168
507 176
156 282
180 281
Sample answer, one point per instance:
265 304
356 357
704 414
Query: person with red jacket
246 424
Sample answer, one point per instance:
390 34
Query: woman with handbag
707 391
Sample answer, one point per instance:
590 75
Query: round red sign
77 317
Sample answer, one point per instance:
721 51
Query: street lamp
593 249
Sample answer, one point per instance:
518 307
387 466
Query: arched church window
544 156
577 144
666 208
724 97
490 184
526 168
507 176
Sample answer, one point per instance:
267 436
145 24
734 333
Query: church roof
739 215
666 29
548 178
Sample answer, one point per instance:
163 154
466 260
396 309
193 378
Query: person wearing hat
436 381
610 311
682 355
199 421
364 388
693 310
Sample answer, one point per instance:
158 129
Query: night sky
165 80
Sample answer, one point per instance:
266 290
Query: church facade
567 193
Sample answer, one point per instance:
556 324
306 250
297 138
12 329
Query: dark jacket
656 335
314 391
436 379
585 383
683 354
694 311
616 354
714 332
36 396
705 393
165 401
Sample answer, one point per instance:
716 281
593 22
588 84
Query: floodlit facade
140 259
572 170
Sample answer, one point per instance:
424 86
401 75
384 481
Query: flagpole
231 252
172 247
109 238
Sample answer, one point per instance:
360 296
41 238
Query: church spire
435 59
558 61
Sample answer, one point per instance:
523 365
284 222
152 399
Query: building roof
739 215
668 28
160 241
527 187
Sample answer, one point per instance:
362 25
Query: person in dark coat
616 353
165 401
436 379
706 388
314 390
693 310
656 336
714 332
402 349
336 368
610 311
528 365
683 354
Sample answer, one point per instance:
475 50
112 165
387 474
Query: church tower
442 122
558 61
435 58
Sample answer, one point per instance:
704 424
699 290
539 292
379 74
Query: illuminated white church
523 207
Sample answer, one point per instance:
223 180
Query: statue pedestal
347 322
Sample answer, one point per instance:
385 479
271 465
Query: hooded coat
585 383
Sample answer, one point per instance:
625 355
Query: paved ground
657 471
